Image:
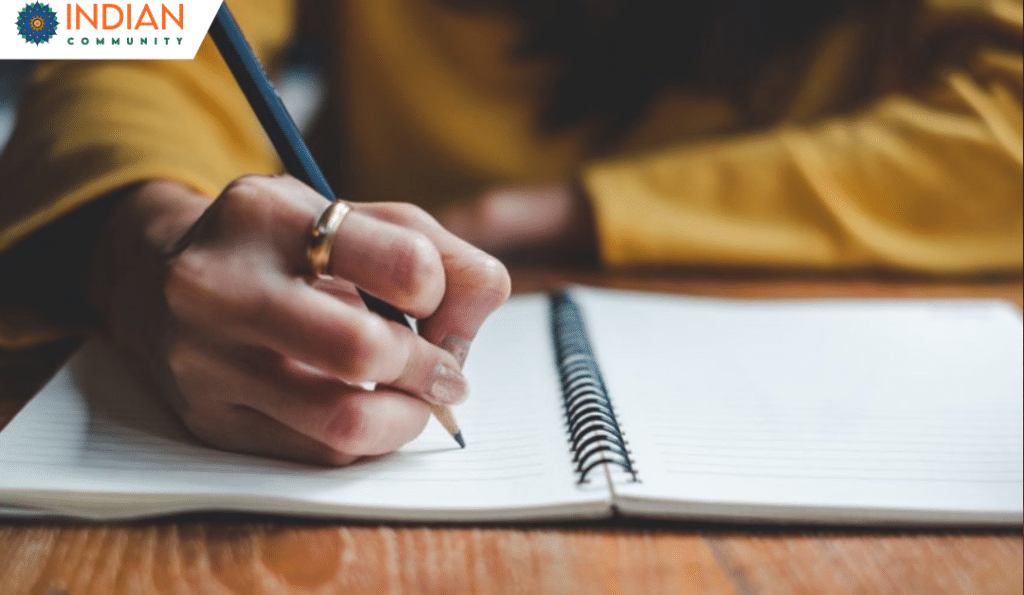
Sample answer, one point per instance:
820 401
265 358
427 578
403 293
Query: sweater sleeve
927 179
86 129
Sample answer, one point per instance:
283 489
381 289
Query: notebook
591 403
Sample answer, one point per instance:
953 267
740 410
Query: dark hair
614 56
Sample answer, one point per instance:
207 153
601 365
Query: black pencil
292 149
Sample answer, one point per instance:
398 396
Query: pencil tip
458 438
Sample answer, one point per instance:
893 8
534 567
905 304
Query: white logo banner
129 30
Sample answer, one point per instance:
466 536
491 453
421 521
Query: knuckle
365 350
407 215
240 192
198 421
488 275
183 277
416 269
352 429
251 307
247 203
181 360
244 184
199 289
208 424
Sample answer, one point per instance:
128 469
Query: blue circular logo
37 23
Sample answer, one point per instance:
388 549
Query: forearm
883 190
88 129
924 175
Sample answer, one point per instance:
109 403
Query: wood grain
874 563
215 557
226 554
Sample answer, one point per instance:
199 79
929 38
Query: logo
104 29
37 23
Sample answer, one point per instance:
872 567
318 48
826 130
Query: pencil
292 149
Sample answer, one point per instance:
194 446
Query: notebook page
845 411
93 444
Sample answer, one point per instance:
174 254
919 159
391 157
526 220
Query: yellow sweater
925 175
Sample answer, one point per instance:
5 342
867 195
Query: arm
211 299
926 180
87 129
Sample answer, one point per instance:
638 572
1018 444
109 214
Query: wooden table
236 554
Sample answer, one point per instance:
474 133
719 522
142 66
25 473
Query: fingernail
447 385
457 346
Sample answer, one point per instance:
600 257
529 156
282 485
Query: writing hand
216 305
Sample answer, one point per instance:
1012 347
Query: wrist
144 223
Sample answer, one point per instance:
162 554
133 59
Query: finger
401 266
357 423
312 410
339 288
346 341
476 283
240 429
246 305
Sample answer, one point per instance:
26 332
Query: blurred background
12 78
299 84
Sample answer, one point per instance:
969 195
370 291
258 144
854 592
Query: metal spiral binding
594 433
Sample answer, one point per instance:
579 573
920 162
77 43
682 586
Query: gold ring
321 238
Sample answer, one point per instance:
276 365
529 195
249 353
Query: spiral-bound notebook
595 402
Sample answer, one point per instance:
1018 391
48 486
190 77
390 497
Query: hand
549 224
215 303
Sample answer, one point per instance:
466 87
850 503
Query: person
854 134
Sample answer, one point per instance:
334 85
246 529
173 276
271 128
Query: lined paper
93 434
865 409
